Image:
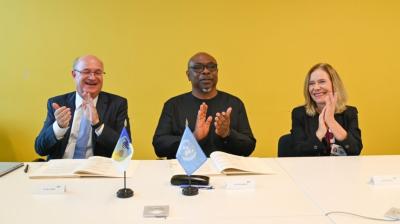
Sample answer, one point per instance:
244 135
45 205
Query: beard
206 90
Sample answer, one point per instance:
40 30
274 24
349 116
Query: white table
276 199
342 184
302 190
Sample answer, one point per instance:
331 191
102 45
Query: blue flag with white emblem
189 154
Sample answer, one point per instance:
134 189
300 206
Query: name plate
241 185
49 189
385 180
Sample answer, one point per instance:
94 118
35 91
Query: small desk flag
123 151
189 154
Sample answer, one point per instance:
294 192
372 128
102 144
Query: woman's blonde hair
337 87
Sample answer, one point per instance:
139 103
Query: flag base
124 193
190 191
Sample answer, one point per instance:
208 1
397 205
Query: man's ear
73 74
188 74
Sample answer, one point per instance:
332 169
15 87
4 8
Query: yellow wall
264 49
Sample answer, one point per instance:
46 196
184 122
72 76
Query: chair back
285 146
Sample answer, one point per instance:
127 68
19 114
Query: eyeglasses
212 67
87 72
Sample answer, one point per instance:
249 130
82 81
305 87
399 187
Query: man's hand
89 109
202 124
222 123
62 115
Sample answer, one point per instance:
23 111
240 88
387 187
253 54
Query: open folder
95 166
225 163
6 167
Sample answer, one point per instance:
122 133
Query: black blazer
113 112
306 142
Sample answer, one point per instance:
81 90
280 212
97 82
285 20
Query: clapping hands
221 122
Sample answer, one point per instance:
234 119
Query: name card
245 184
49 189
385 180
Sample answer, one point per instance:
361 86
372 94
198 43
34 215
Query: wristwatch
95 126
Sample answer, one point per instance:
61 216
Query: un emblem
188 150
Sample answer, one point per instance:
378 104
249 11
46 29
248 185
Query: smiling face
88 75
203 74
319 86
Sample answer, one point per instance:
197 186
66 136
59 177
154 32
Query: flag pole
195 152
123 150
190 190
124 192
124 179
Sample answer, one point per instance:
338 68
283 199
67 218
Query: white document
225 163
92 167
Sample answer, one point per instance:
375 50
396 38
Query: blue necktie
83 138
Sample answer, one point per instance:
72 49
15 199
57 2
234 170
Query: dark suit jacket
113 112
306 142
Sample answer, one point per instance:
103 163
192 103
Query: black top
306 142
113 112
173 119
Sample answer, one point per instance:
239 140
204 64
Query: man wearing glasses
218 120
86 122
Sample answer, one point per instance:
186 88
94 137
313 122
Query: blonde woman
325 125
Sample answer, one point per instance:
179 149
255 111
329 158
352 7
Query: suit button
315 147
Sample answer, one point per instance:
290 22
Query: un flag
189 154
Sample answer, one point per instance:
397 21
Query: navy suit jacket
113 112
